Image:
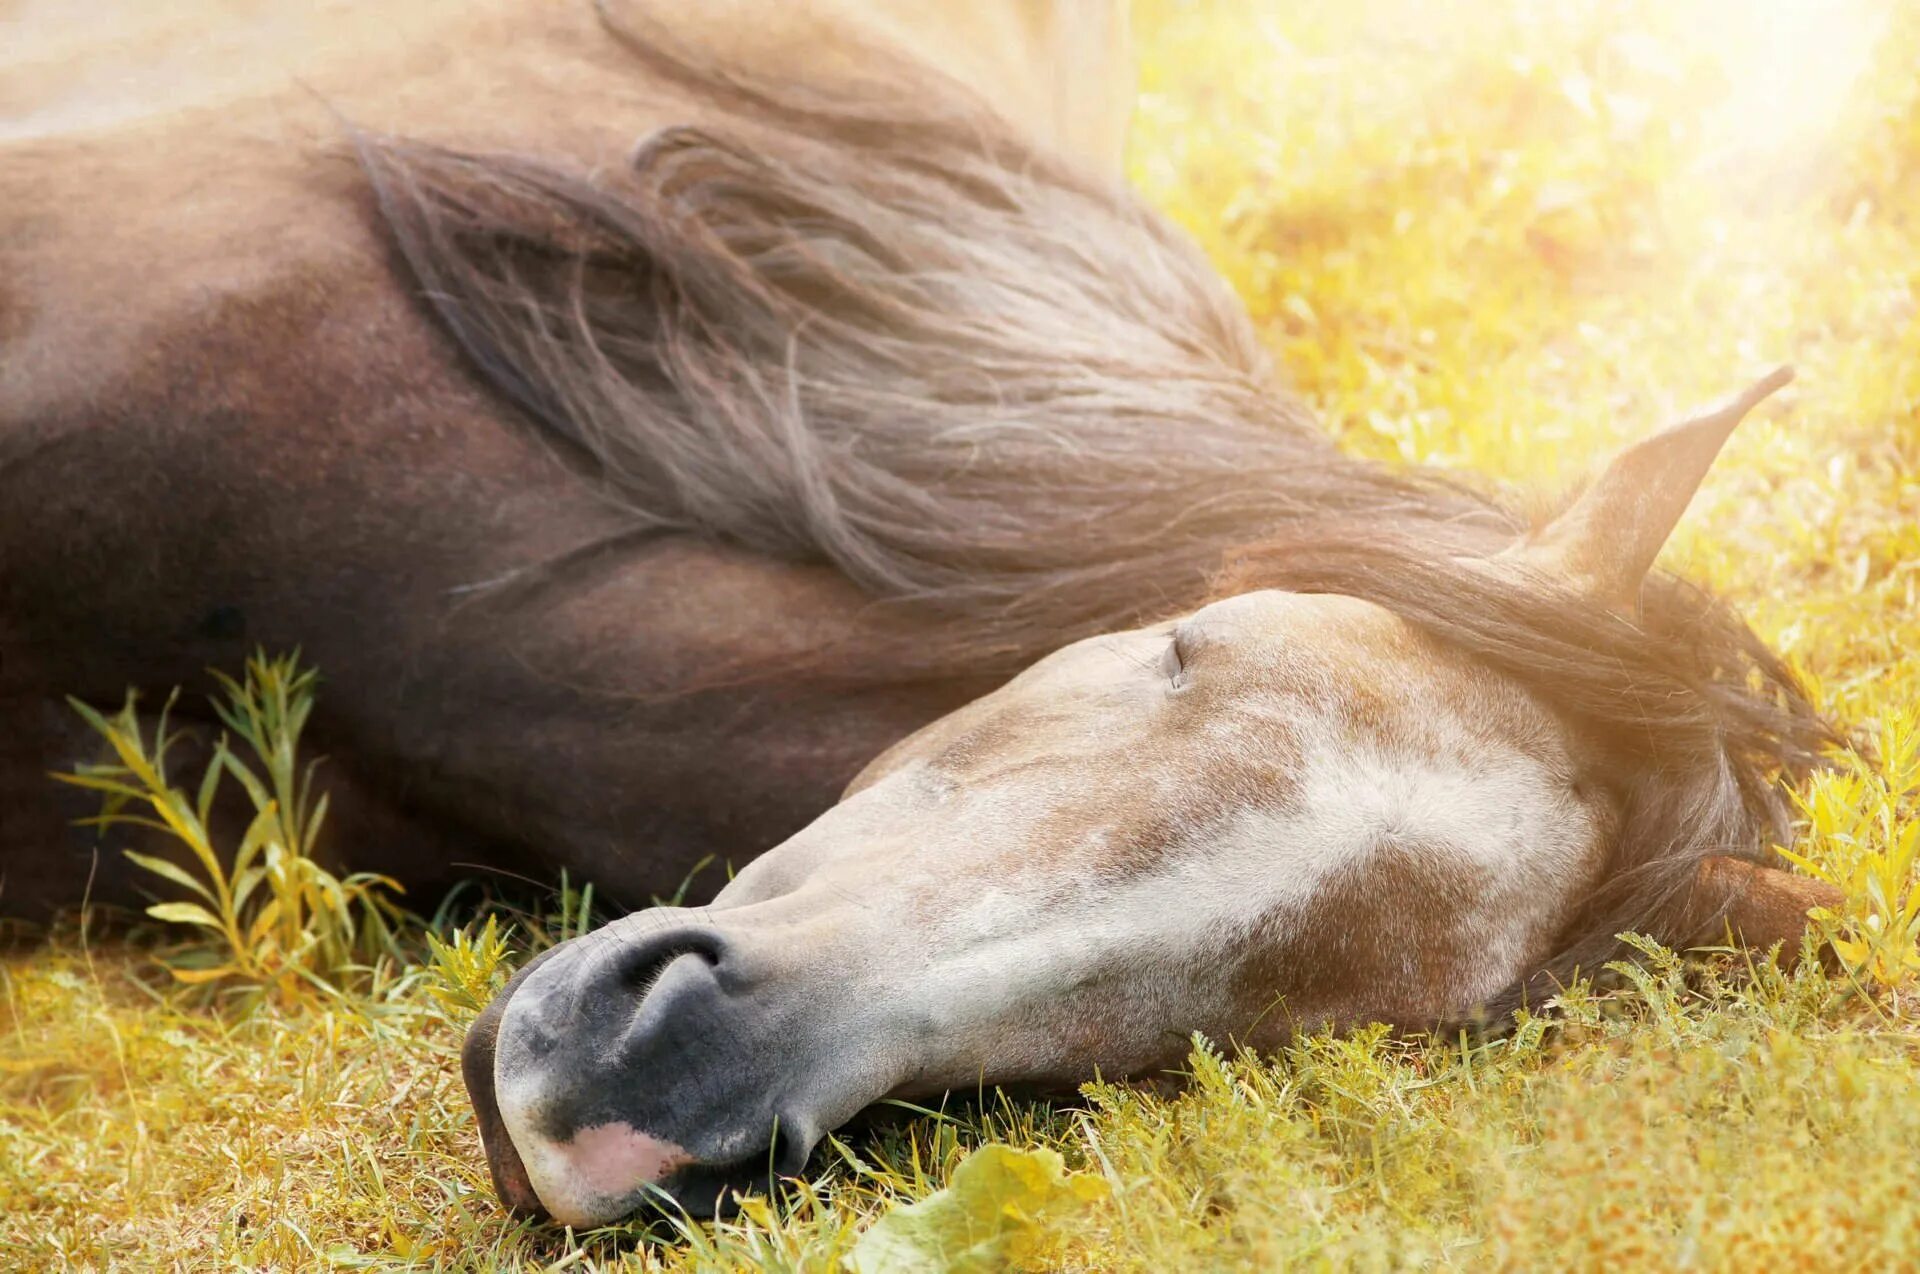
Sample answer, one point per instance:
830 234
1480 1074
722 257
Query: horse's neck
457 70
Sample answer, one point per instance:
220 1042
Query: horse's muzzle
639 1065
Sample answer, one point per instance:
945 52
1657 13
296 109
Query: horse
855 435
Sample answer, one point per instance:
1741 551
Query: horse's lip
510 1179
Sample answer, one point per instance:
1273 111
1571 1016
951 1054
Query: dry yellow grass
1502 235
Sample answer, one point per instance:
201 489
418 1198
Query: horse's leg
1761 907
624 710
45 860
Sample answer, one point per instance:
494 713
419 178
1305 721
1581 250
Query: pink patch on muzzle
581 1179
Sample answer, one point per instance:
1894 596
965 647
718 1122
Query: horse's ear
1607 539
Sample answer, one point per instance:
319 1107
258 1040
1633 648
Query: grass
1506 236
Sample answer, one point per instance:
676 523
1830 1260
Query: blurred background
1509 235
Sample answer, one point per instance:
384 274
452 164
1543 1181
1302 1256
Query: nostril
642 975
642 965
791 1149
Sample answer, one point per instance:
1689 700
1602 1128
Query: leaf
264 922
104 821
194 977
311 834
98 783
244 883
91 716
256 790
173 810
184 913
177 874
259 834
996 1210
209 784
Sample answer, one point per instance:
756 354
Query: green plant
468 968
271 916
1863 836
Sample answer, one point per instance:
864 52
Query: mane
892 336
871 343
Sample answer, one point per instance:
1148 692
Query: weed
273 919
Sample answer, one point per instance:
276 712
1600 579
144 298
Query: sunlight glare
1790 67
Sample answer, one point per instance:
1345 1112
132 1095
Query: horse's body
226 422
578 470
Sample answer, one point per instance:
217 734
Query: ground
1501 235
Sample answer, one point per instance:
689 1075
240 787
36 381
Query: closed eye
1176 667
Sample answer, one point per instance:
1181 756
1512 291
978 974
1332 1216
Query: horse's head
1394 791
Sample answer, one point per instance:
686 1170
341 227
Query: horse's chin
510 1179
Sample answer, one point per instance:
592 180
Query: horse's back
1058 69
166 172
157 162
